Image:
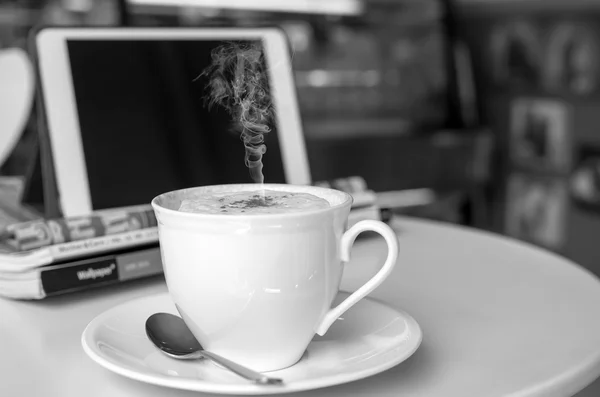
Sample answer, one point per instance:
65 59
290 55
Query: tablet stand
40 192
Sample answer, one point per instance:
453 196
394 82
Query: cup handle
345 246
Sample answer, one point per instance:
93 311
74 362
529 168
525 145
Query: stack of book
41 258
369 204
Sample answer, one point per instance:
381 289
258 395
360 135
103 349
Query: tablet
127 117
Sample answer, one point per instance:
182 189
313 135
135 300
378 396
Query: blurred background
490 105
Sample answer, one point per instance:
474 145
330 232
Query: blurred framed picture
536 210
585 179
516 53
572 59
539 135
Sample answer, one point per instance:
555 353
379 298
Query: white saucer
371 338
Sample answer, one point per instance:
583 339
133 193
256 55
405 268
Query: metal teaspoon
170 335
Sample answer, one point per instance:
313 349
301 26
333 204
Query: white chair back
17 82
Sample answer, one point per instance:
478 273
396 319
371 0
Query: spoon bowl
171 336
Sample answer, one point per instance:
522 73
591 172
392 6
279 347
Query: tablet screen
145 127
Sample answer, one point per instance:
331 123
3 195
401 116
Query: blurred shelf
334 128
334 7
526 6
11 15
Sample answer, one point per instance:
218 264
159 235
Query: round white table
499 318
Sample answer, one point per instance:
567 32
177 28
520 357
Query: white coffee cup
255 288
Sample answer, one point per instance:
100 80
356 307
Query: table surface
499 318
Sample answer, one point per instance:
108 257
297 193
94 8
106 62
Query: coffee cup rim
346 201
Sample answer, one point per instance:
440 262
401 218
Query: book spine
105 270
42 233
103 244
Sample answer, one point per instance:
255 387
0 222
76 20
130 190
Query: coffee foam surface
253 202
173 200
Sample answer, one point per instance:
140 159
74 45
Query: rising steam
238 82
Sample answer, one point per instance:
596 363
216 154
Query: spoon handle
242 371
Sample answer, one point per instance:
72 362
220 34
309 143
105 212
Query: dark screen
144 124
